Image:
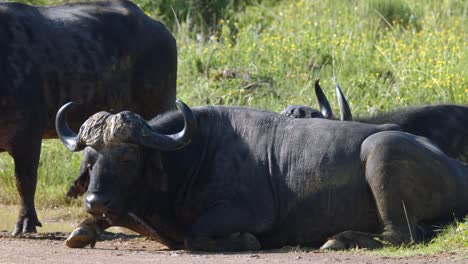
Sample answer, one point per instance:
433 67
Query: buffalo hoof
333 244
26 225
352 239
81 237
251 241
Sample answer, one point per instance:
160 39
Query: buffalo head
116 155
299 111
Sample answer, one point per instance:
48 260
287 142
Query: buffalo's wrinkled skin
445 124
246 179
104 55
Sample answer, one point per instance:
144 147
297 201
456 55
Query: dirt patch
123 248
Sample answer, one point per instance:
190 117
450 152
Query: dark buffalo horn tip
325 108
345 110
177 140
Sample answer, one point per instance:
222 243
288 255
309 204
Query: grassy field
384 54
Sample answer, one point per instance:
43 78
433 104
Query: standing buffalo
446 125
231 178
104 55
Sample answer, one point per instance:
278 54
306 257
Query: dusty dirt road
120 248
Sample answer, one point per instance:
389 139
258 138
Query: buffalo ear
80 185
154 171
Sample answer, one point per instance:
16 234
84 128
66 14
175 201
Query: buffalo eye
89 166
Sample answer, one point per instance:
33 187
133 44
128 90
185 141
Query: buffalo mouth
113 218
101 207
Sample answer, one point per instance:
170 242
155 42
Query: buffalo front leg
87 233
224 228
26 154
234 242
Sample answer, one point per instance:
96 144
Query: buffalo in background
232 178
446 125
106 55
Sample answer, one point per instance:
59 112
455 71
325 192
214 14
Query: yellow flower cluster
299 41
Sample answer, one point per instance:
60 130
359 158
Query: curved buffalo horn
174 141
345 111
66 135
323 101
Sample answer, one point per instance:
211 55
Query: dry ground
120 248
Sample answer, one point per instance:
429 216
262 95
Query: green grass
285 48
57 170
385 54
452 239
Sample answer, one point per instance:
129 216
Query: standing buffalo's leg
411 180
224 228
26 153
86 233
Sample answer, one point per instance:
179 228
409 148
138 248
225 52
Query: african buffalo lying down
446 125
106 55
230 178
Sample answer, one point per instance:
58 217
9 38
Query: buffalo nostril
96 204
